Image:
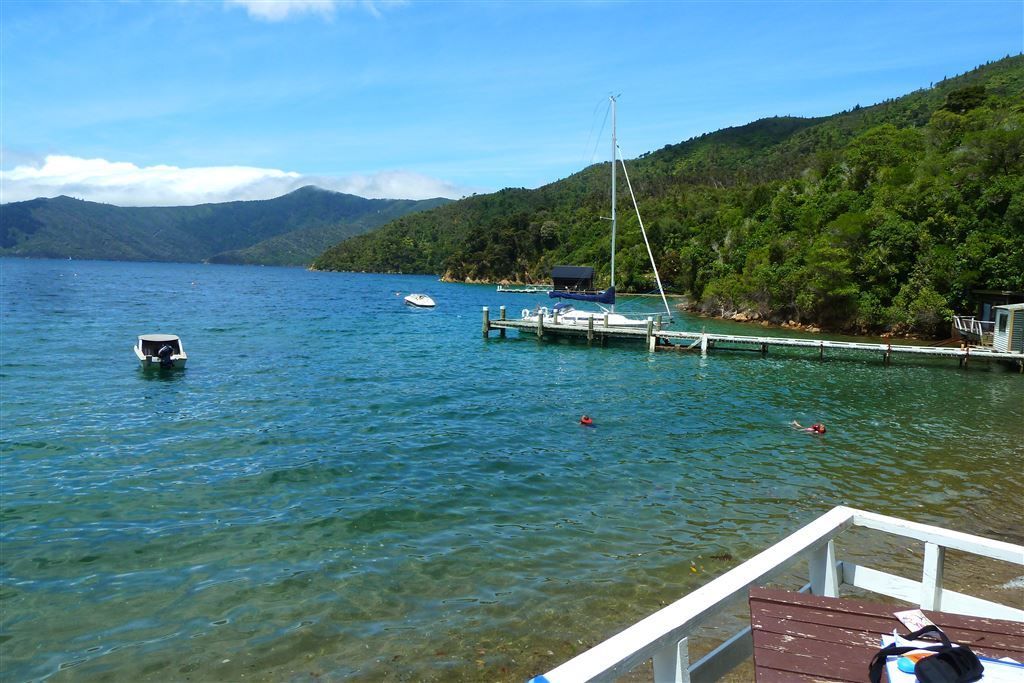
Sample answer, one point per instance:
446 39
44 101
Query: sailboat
565 313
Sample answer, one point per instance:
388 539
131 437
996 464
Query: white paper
913 619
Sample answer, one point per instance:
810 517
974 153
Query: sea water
342 487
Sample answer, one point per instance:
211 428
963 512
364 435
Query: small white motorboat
419 301
160 351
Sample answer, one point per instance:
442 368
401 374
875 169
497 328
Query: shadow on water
161 374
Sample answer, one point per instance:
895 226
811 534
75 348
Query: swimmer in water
816 428
586 421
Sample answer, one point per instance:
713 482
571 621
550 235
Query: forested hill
878 218
288 230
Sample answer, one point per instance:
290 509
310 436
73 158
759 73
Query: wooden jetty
655 338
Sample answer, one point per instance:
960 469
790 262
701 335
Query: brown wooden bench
800 637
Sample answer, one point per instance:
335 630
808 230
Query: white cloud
279 10
125 184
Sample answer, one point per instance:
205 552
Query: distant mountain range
289 230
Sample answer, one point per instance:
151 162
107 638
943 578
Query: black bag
949 664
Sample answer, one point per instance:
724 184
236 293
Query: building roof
573 272
158 337
1011 307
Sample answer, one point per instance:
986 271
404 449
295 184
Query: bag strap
878 661
930 628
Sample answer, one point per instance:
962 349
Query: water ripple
339 486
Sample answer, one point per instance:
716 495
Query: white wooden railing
968 324
662 636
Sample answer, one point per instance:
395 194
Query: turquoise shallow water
340 486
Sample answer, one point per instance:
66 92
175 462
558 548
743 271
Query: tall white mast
614 154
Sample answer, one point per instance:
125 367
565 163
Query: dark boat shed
985 301
572 278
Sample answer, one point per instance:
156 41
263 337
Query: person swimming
816 428
586 421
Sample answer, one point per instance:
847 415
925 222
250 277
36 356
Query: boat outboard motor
165 353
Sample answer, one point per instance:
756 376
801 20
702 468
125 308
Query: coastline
748 317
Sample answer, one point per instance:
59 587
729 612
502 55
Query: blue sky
181 102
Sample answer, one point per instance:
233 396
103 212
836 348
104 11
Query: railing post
672 663
822 565
931 579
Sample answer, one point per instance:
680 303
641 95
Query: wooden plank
819 610
777 676
797 627
813 658
778 633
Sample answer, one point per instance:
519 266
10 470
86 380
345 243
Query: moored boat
524 289
564 313
160 351
567 314
419 301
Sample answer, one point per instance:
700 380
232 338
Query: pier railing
662 636
970 327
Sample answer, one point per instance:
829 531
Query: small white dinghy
419 301
160 351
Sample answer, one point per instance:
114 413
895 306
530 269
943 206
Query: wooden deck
655 338
800 637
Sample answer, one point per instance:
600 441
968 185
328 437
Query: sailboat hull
582 318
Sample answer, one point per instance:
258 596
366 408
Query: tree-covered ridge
881 217
288 230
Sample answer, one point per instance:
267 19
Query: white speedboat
160 351
419 301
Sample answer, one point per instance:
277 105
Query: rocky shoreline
751 317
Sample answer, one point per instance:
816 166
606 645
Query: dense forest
878 218
289 230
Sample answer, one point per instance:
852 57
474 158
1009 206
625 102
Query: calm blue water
340 486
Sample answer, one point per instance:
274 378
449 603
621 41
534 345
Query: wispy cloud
125 184
279 10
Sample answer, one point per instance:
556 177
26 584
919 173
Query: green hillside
288 230
877 218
